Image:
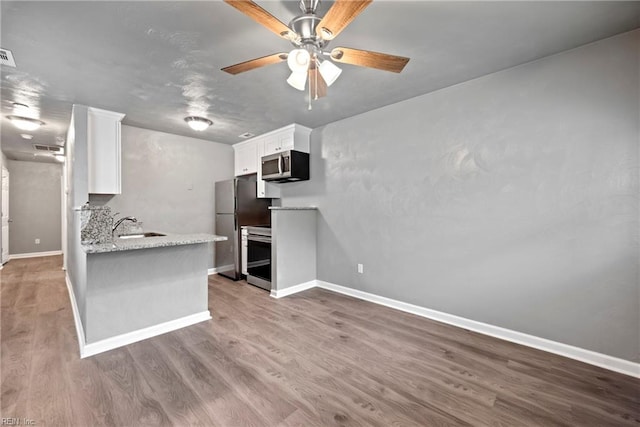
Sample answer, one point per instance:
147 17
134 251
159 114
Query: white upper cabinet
104 151
248 154
292 137
245 158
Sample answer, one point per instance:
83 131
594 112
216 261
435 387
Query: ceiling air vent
6 58
246 135
49 148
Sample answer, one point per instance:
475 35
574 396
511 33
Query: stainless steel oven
259 256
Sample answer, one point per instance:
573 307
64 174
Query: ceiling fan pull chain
309 93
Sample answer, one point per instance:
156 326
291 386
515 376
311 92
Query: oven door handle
256 238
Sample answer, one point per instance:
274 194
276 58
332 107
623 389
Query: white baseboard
34 254
91 349
587 356
293 289
76 314
215 270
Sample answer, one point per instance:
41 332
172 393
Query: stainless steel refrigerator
236 205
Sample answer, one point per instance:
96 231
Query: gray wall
294 248
118 298
511 199
34 206
168 181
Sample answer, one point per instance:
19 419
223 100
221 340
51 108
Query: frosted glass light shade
198 123
298 79
329 72
298 60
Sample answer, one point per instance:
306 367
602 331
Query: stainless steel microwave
287 166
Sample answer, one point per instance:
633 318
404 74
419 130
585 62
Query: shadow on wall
331 253
100 199
306 193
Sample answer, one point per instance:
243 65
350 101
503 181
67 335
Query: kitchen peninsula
145 286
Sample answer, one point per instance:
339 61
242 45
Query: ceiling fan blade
367 58
255 63
339 16
261 16
317 85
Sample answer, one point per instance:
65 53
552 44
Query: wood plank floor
311 359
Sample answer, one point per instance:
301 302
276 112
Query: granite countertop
292 208
151 242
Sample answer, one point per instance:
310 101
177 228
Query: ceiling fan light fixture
298 79
329 72
198 123
25 123
298 60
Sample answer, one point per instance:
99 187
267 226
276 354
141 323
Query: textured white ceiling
159 62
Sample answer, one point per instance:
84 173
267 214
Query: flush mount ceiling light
198 123
310 34
25 123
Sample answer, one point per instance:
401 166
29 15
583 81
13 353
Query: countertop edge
151 243
293 208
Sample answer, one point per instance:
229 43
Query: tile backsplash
95 224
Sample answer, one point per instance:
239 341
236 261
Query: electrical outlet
37 241
360 268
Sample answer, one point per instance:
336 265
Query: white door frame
63 216
5 215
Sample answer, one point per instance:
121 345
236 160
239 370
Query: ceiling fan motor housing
305 27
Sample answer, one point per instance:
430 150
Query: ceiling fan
310 35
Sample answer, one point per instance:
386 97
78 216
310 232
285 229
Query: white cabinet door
281 141
271 145
246 158
287 141
292 137
104 147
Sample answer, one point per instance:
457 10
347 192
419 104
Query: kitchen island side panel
131 290
293 247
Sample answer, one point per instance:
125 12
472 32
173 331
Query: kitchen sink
141 235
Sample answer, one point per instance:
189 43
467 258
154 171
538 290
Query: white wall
511 199
77 195
168 181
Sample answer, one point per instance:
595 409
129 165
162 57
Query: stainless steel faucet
121 220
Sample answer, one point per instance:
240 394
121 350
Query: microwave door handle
280 161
